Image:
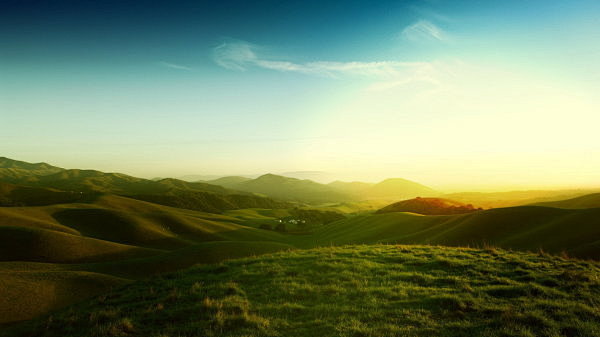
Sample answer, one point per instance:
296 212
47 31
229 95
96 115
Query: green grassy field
59 247
51 256
379 290
122 239
574 232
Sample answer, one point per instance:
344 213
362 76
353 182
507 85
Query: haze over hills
76 233
286 188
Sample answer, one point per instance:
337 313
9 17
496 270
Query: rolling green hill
15 195
15 170
64 185
67 234
349 291
429 206
575 232
110 237
584 201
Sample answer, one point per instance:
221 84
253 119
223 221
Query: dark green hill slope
576 232
15 195
585 201
350 291
109 237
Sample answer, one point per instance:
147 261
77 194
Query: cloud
423 31
174 66
240 56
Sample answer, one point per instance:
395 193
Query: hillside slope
584 201
15 170
576 232
15 195
42 184
350 291
51 256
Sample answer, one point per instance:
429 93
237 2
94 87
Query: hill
584 201
350 291
398 188
64 185
292 189
15 195
15 170
308 191
228 182
574 232
429 206
81 249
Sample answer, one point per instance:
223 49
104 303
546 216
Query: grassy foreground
377 290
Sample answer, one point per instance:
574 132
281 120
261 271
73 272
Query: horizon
328 177
494 97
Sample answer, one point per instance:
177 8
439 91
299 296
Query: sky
458 95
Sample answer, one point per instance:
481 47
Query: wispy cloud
173 66
240 56
423 31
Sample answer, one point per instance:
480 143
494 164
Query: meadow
86 254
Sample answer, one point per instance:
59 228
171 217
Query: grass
576 232
127 239
113 238
380 290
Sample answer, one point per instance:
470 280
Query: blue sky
451 93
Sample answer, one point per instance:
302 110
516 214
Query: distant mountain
393 188
228 182
316 176
308 191
400 189
172 192
199 177
292 189
15 170
584 201
429 206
